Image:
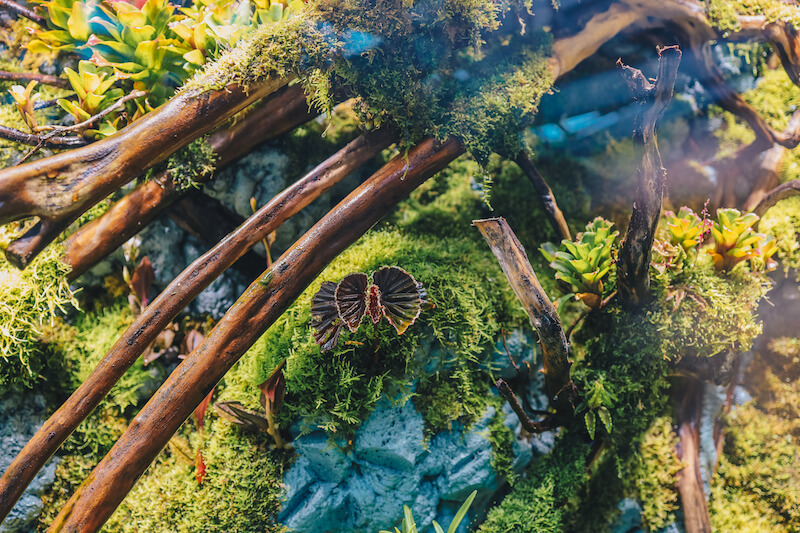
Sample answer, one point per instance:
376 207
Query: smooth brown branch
781 192
633 266
60 188
541 312
24 77
33 139
768 174
281 112
23 12
261 304
156 316
527 424
780 34
557 219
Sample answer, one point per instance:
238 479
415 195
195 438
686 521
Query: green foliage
444 398
502 439
337 390
652 474
189 166
582 264
239 493
757 487
543 500
29 299
724 14
735 241
685 228
409 526
93 86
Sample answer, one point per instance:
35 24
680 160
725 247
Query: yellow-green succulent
685 228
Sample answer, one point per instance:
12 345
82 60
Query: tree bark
781 192
169 303
633 267
263 302
768 175
541 312
282 112
59 188
545 193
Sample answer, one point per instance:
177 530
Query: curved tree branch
263 302
44 79
633 268
281 112
35 139
59 188
23 11
545 193
767 175
781 192
170 302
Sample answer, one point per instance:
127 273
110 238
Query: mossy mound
337 390
29 299
240 492
724 14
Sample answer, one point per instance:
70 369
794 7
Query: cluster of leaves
29 299
152 46
582 265
735 241
410 526
782 221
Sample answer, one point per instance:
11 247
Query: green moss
240 492
543 500
29 299
783 222
502 439
443 399
338 389
724 14
191 164
757 486
652 474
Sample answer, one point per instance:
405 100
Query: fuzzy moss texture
29 299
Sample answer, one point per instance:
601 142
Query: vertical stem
545 193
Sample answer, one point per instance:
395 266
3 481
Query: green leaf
590 421
437 528
462 512
605 418
78 23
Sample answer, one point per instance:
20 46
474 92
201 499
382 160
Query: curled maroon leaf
273 390
350 298
238 415
143 277
325 316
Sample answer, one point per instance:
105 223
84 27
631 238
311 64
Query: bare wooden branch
781 192
541 312
34 139
768 173
263 302
23 11
527 424
81 126
557 219
781 35
281 112
633 267
61 187
24 77
170 302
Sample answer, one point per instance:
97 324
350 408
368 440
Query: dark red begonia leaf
351 299
325 317
400 298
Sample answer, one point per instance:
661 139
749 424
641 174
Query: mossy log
263 302
282 112
170 302
633 269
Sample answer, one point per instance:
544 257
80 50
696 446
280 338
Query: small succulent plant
685 228
734 239
392 293
25 99
95 89
582 264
